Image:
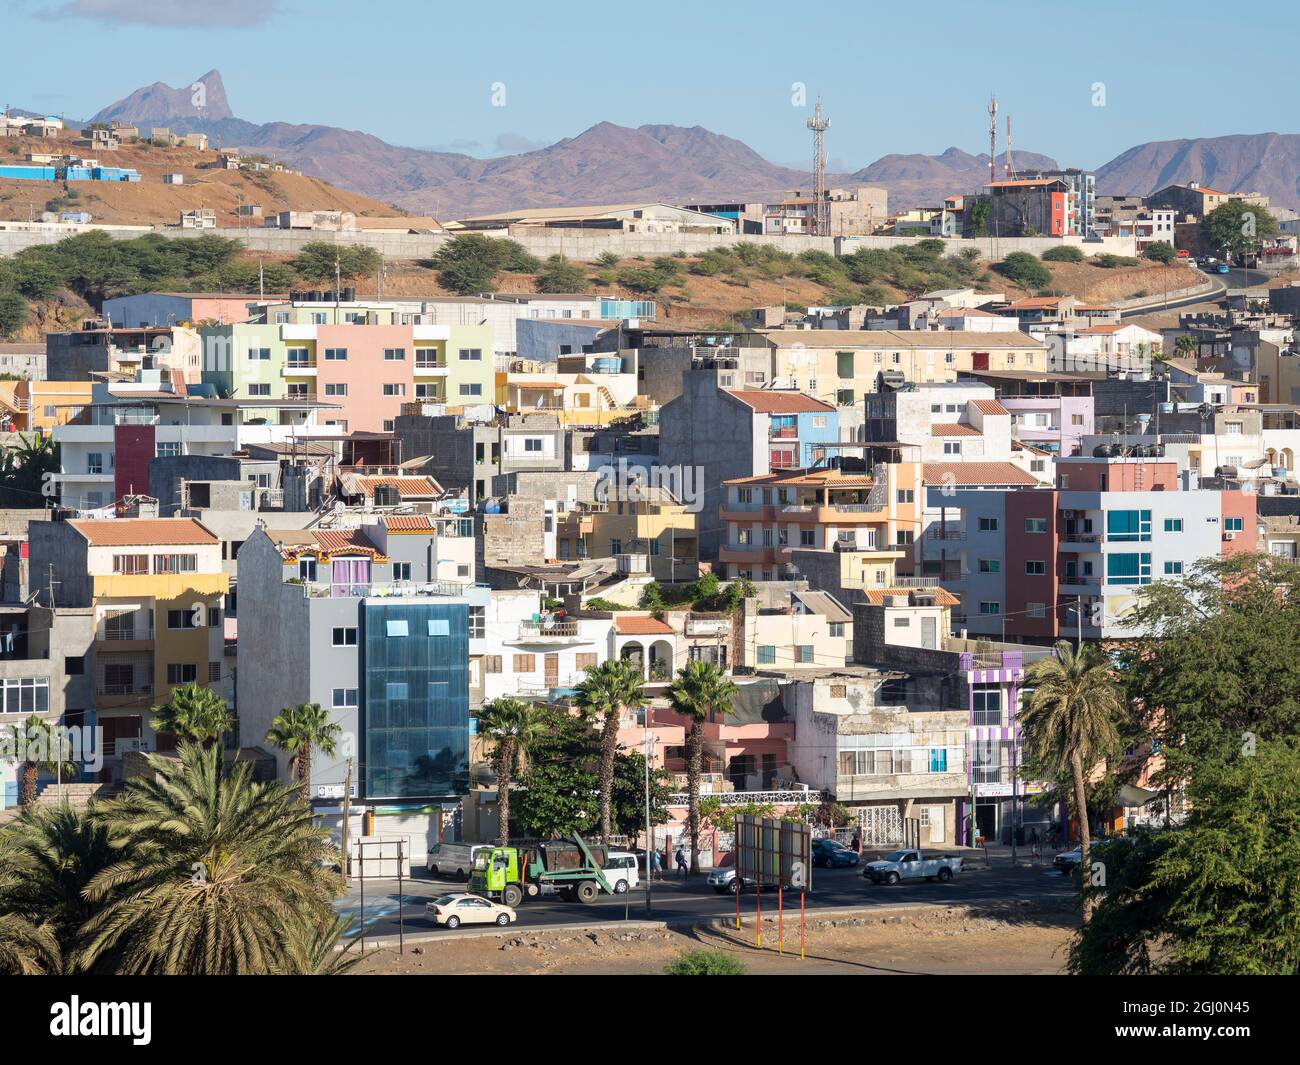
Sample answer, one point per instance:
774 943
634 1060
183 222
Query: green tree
36 746
1072 719
558 274
467 263
560 799
27 470
323 262
14 312
1161 251
701 693
608 691
629 794
193 713
1219 895
704 589
979 215
513 726
1237 226
1024 269
652 598
1064 253
1185 346
299 731
37 279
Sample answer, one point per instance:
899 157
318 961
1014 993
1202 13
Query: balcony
298 369
430 368
384 590
704 626
783 432
559 632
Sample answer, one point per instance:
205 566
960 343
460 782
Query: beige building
658 527
812 630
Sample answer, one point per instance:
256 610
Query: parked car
724 880
1183 253
911 865
452 911
1222 268
1068 861
832 854
454 858
621 871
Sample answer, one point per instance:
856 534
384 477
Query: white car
452 911
621 871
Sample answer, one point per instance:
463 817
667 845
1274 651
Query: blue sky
903 79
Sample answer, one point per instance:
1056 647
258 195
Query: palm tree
300 730
514 726
27 948
312 950
700 692
24 468
219 868
194 713
36 745
607 691
50 855
1071 722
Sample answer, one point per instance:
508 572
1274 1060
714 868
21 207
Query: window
471 354
297 357
477 622
525 663
388 425
438 627
990 607
844 364
987 705
1126 526
181 619
804 653
1130 568
336 388
988 524
397 389
130 564
491 663
74 666
584 661
175 563
30 695
344 698
397 627
1173 569
296 390
903 622
807 537
345 637
255 389
336 354
990 565
1173 524
1232 524
394 354
766 654
401 571
397 690
95 462
906 495
1035 567
837 629
1035 610
307 569
259 354
951 447
1035 525
533 444
168 449
938 762
474 389
214 672
904 537
182 673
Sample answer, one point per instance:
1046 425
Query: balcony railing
784 797
555 630
380 590
708 626
783 432
134 688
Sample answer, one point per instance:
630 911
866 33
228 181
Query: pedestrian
857 842
682 867
656 865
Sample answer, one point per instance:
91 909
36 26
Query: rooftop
777 402
121 532
964 473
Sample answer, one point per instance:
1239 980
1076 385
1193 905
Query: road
1235 278
678 902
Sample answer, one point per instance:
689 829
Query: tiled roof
406 485
952 429
344 540
122 532
782 402
990 406
976 473
408 523
637 625
877 596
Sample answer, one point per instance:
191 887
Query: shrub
1024 269
1066 253
1160 251
706 963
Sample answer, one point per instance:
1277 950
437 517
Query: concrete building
176 308
100 348
809 630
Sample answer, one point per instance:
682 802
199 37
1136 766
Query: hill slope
1258 162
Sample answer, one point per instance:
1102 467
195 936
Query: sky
1081 83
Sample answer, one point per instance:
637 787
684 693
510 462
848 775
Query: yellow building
840 366
54 403
157 589
658 527
574 398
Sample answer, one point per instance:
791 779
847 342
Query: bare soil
949 940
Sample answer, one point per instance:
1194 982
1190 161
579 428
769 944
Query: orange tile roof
405 485
781 402
408 523
976 473
637 625
876 596
990 406
344 540
952 429
121 532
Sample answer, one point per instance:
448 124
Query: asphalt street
676 901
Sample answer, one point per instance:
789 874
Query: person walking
682 866
656 865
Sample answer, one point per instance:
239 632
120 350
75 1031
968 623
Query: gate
882 826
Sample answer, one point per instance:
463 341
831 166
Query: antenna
819 124
993 138
1011 170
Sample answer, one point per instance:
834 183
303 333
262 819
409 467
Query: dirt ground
949 940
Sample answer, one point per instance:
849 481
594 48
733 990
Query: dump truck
567 867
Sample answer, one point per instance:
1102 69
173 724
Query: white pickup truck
910 865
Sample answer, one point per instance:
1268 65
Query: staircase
77 795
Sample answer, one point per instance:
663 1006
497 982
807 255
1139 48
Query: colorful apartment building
658 527
157 588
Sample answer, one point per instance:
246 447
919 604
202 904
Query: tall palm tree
194 713
28 946
219 868
701 692
1071 722
50 855
608 690
514 726
36 745
312 949
300 730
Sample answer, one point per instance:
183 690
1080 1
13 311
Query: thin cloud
171 13
514 143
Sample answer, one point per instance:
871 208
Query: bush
706 963
1066 253
1160 251
608 258
321 261
13 313
1107 261
1024 269
560 275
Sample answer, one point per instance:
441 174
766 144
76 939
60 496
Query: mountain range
614 164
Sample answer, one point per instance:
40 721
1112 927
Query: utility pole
993 139
819 124
347 813
649 826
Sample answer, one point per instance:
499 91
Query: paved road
675 901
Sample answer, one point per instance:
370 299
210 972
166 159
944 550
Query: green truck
567 867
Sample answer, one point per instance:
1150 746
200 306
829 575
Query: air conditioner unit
1230 536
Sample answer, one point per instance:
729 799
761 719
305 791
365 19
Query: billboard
771 851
